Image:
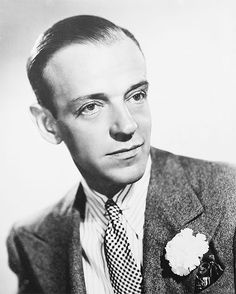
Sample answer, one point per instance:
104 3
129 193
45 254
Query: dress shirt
132 202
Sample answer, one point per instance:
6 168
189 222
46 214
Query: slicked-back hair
80 29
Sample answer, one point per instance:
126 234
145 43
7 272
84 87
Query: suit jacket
46 253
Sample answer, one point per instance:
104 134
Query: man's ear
46 124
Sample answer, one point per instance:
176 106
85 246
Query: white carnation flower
184 251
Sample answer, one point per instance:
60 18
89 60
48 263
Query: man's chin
130 173
128 176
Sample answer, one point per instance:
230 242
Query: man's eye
138 97
88 109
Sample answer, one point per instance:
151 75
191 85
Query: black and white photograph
118 146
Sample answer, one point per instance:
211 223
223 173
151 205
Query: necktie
124 273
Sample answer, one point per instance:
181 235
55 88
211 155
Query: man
109 234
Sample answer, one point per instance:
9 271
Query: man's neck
109 190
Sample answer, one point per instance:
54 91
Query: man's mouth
127 152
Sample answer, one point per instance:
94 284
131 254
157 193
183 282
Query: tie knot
113 209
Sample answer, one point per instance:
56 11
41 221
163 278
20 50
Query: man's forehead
92 67
85 54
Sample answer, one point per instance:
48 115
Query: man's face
100 93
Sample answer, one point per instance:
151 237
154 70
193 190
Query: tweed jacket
46 254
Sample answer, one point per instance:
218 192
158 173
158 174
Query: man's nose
123 124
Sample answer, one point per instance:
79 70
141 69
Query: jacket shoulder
47 220
218 176
198 172
207 179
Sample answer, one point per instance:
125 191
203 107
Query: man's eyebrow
138 85
99 96
102 96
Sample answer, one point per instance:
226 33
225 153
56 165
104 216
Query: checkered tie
124 273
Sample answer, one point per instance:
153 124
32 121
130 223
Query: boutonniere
185 251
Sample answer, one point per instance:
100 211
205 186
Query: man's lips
123 150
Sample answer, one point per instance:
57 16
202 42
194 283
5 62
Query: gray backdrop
190 47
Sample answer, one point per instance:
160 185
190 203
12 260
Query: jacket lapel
75 250
46 264
47 254
56 251
171 205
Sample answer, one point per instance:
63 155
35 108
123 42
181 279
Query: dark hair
81 29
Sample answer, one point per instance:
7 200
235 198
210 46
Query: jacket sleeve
18 262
